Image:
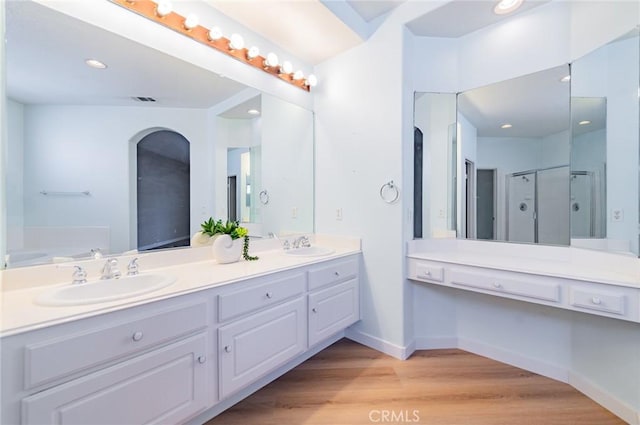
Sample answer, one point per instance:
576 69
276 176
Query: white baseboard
381 345
514 359
436 342
603 398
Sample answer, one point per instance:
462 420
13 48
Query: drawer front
332 273
503 284
332 310
53 359
426 271
255 297
254 346
167 385
598 300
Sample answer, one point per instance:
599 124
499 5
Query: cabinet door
252 347
167 385
333 309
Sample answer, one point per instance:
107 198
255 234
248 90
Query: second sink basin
310 251
104 290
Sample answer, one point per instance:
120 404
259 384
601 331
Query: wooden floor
349 384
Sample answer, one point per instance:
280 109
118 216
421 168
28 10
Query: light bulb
95 63
505 126
506 6
253 52
585 122
164 8
271 60
236 42
311 80
286 68
253 112
298 75
565 79
191 22
215 33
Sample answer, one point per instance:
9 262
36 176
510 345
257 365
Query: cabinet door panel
333 309
252 347
165 386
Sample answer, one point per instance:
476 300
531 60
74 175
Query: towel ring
389 186
264 197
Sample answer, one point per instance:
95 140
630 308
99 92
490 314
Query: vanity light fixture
505 126
584 122
506 6
565 79
298 75
253 112
161 12
163 8
95 63
191 22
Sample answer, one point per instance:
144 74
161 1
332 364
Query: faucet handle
286 245
304 242
133 267
79 275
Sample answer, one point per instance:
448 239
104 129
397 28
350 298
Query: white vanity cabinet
334 298
270 328
148 364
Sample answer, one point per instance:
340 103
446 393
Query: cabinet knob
137 336
269 295
596 300
497 285
227 348
336 273
315 310
202 359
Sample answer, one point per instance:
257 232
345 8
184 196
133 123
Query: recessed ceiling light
585 122
565 79
253 112
506 126
506 6
94 63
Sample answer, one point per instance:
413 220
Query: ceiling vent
143 99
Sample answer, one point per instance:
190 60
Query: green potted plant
224 235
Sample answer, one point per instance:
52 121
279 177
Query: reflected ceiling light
95 63
214 34
253 52
191 22
271 60
298 75
506 6
584 122
164 8
311 81
253 112
505 126
236 42
565 79
286 68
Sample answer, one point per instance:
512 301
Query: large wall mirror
127 157
549 158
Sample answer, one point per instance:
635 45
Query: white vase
226 250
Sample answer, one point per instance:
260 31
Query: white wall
14 175
77 148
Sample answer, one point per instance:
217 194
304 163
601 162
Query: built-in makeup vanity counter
592 282
182 353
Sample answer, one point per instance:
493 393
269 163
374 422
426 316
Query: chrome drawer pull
269 295
315 310
227 348
202 359
596 300
336 273
497 285
137 336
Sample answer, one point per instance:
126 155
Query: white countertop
562 262
20 313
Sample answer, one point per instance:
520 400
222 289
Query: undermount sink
104 290
310 251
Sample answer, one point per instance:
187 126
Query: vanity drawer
333 273
254 297
426 271
504 283
53 359
614 301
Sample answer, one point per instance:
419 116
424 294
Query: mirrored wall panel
126 153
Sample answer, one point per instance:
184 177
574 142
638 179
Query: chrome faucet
110 269
79 275
133 267
301 242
